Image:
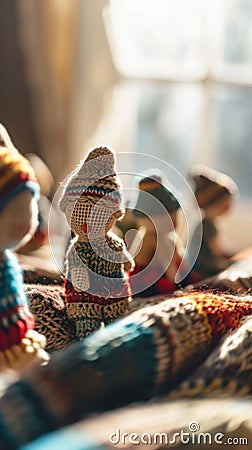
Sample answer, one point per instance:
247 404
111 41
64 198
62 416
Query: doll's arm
117 244
76 270
127 259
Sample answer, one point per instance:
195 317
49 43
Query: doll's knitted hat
160 194
16 173
16 321
211 185
94 178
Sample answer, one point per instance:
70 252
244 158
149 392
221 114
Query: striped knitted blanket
198 343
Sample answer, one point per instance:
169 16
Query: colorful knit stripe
11 282
13 164
12 313
95 191
55 398
13 335
73 295
225 315
11 179
107 260
227 371
14 326
16 189
16 173
11 296
15 317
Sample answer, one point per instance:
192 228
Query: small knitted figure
19 190
160 255
214 192
46 181
96 288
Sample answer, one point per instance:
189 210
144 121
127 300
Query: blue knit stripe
125 337
32 186
65 439
11 283
74 190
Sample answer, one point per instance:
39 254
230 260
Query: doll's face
92 219
18 221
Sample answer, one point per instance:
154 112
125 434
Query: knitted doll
214 192
160 255
96 288
46 181
19 190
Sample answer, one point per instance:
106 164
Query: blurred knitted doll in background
161 252
35 256
214 192
19 191
96 287
45 180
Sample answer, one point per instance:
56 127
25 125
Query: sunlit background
170 78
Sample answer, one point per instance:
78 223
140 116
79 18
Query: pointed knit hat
16 173
211 185
95 177
159 198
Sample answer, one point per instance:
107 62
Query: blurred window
195 58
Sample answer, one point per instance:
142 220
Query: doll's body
105 296
211 258
165 261
160 256
19 343
96 288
